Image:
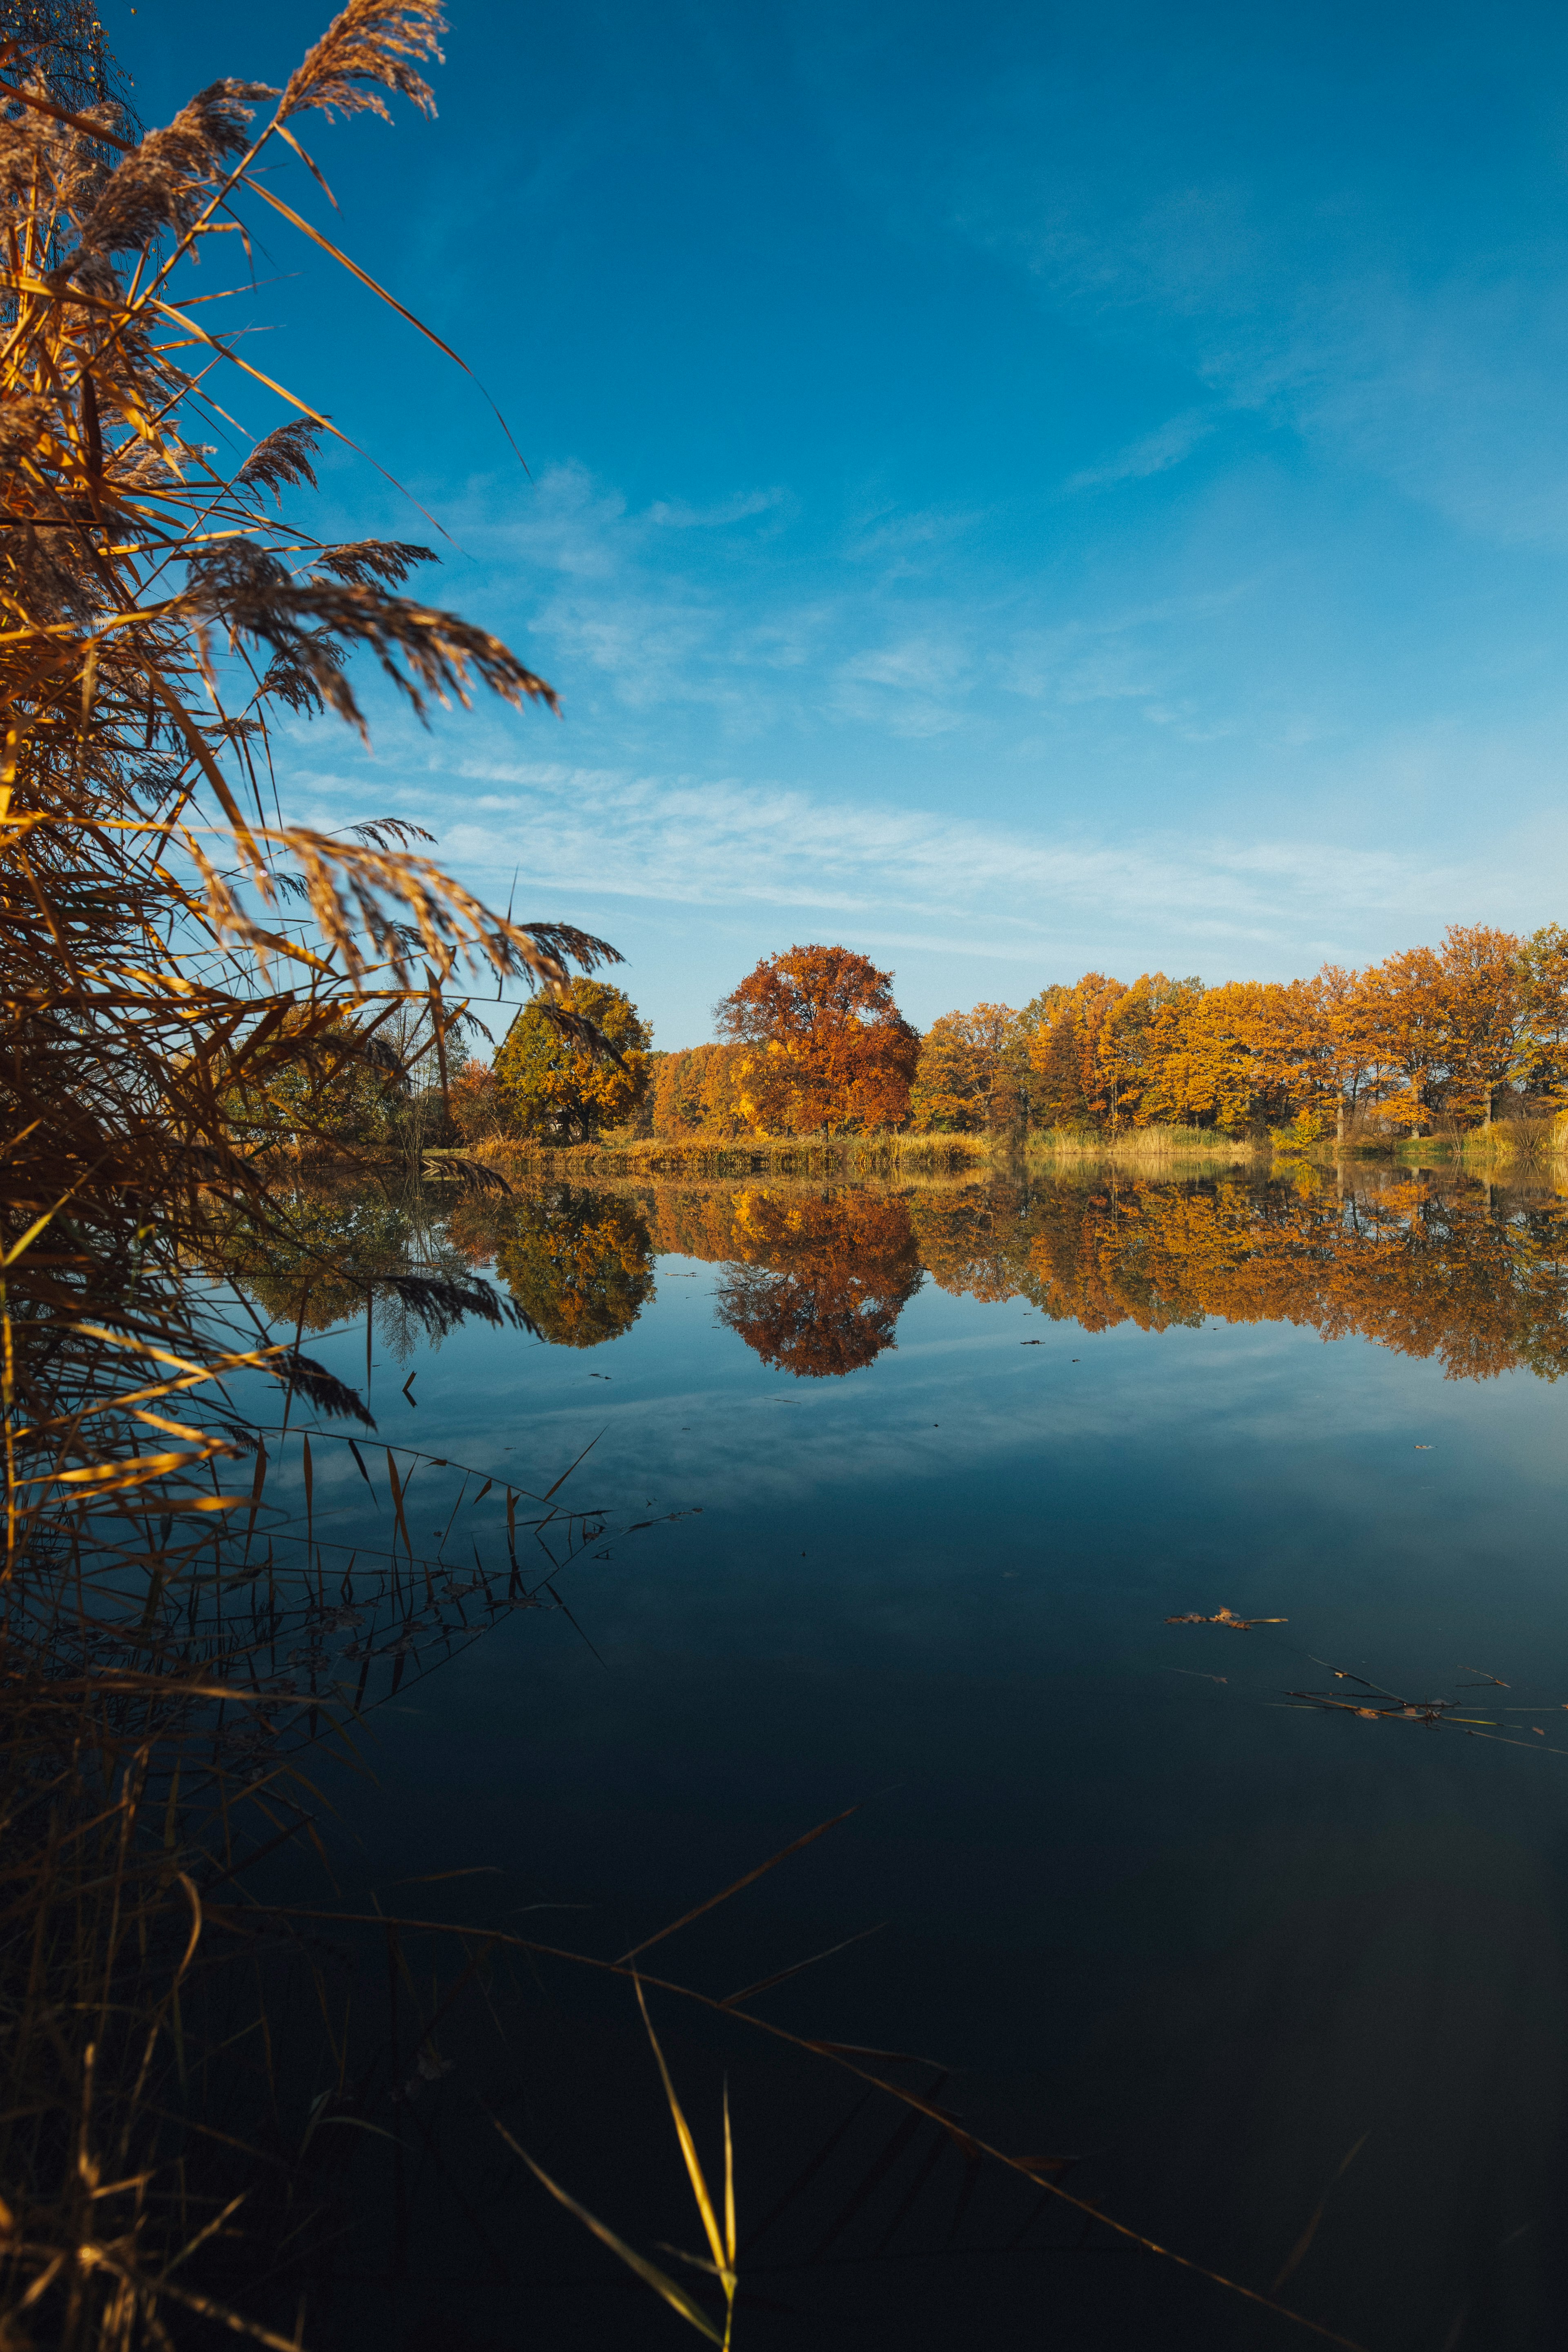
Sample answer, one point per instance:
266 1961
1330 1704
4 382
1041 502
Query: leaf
363 1473
688 2144
661 2284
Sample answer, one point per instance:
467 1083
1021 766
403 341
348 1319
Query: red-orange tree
828 1045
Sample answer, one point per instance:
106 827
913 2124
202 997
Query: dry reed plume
158 615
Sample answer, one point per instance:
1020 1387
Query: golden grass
1145 1146
1521 1141
845 1158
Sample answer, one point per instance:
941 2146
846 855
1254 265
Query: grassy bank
845 1157
1144 1147
1514 1146
734 1159
1513 1150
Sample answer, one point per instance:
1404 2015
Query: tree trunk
1339 1124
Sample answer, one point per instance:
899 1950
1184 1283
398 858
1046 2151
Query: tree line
1432 1039
811 1039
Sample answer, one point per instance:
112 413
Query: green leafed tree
554 1088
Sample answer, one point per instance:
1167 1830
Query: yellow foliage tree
965 1079
1242 1055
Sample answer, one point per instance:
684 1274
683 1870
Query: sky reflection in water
1153 1912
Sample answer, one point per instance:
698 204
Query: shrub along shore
904 1156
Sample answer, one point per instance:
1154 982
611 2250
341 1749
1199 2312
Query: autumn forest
1433 1041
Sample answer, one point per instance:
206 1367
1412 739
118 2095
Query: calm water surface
927 1478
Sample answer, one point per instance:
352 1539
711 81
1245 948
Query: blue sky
1016 491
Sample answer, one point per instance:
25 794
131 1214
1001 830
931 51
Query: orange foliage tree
1544 956
1069 1082
812 1039
1094 1048
1429 1033
968 1075
1244 1054
1346 1046
1449 1028
694 1092
474 1100
1489 1014
828 1047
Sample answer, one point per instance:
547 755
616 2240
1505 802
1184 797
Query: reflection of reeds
720 2241
165 1739
799 1159
873 2189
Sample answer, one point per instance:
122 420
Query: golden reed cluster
170 952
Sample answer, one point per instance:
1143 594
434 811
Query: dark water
927 1475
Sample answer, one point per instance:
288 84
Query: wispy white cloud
909 542
902 878
899 628
1155 453
913 686
1445 383
673 515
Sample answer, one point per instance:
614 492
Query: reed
1540 1142
179 968
1145 1146
730 1159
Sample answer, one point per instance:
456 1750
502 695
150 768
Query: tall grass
893 1153
1144 1146
1536 1143
806 1158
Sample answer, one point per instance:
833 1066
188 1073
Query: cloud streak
902 878
1156 453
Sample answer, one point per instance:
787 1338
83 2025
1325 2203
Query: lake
1259 1934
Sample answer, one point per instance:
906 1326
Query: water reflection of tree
819 1283
578 1264
975 1242
1430 1269
815 1283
